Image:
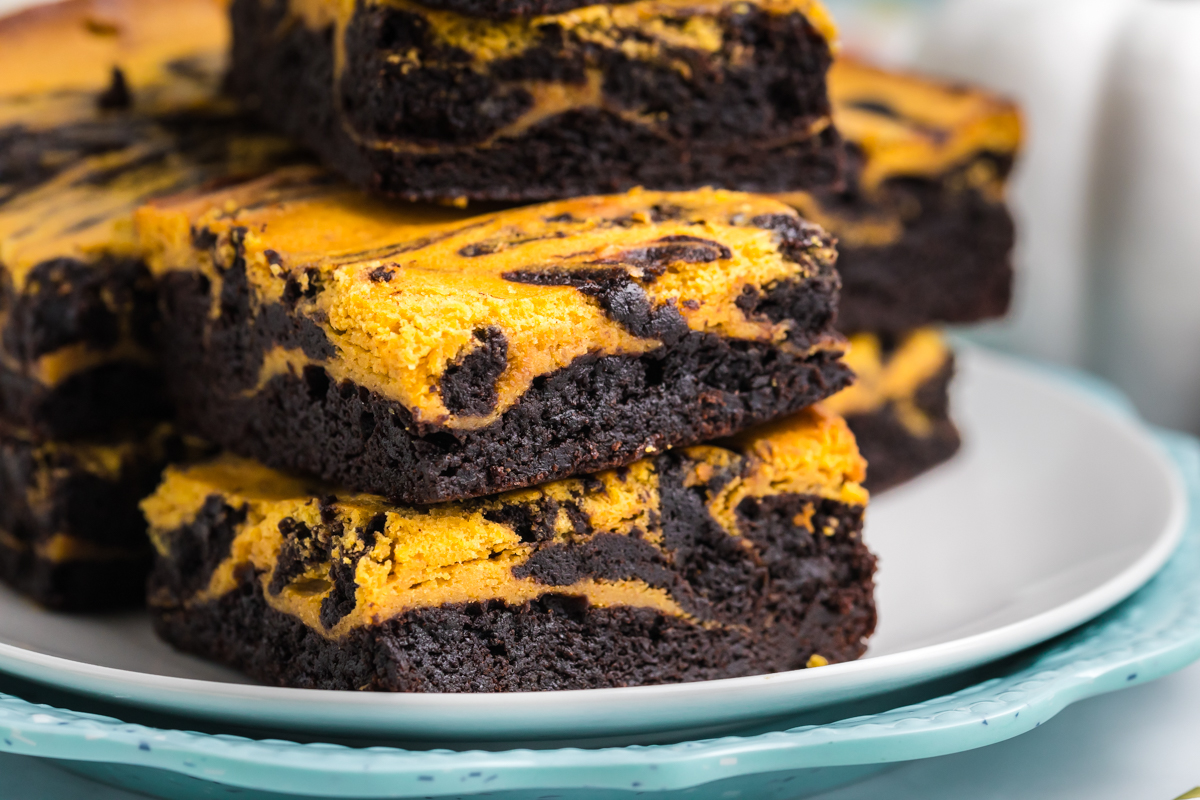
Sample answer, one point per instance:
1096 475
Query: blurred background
1107 192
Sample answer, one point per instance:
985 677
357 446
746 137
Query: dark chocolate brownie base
768 606
951 265
597 413
83 585
555 642
894 454
89 402
747 128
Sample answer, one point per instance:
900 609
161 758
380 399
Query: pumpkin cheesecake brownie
64 66
899 405
428 354
924 237
102 106
545 99
84 78
71 534
78 313
923 233
715 561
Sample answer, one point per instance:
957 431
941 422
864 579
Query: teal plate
1155 632
1059 507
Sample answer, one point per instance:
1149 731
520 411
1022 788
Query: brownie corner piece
102 105
432 102
899 405
708 562
924 234
429 354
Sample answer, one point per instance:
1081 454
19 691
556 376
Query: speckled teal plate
1058 508
1154 632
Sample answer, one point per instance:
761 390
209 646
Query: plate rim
1115 651
180 695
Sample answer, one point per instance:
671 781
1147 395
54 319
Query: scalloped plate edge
1155 632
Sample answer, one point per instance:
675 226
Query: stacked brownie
576 444
703 562
477 447
567 445
102 106
532 383
505 100
924 239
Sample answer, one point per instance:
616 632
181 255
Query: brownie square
923 233
429 354
706 562
78 311
442 101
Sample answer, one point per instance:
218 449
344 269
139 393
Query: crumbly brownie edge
289 81
798 594
894 454
951 265
596 413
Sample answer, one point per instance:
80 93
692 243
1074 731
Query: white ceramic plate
1057 508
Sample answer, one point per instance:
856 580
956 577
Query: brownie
433 102
923 233
899 406
86 78
430 354
84 62
705 562
82 144
71 534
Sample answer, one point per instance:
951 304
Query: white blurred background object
888 32
1145 324
1107 192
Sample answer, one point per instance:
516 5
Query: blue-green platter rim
1153 633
